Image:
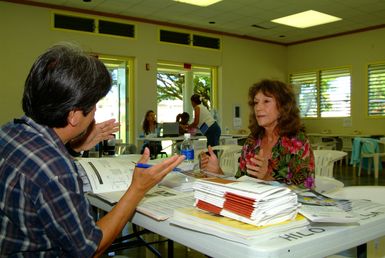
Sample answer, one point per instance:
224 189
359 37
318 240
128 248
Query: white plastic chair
125 148
228 156
347 146
229 141
324 161
199 145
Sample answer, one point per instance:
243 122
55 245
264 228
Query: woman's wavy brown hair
146 123
289 122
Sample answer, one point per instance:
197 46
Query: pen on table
145 165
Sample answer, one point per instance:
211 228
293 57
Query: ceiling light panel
199 2
306 19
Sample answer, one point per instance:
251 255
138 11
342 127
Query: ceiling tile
237 16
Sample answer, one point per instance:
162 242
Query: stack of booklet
248 201
245 211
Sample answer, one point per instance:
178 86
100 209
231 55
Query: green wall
241 63
355 51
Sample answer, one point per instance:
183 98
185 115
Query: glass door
114 104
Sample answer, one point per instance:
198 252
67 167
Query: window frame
128 121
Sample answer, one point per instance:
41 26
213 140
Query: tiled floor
346 174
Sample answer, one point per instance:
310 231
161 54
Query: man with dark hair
43 210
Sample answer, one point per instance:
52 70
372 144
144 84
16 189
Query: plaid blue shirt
43 210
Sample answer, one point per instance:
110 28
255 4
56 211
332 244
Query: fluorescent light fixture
306 19
199 2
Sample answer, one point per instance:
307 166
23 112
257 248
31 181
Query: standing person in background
43 208
277 148
150 126
204 121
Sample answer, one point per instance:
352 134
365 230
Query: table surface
338 135
173 138
311 241
193 137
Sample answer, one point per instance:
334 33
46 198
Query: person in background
204 121
277 147
43 209
183 119
150 126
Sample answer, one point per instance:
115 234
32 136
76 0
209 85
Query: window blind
335 90
306 88
376 90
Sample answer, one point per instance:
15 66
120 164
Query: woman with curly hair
150 126
277 148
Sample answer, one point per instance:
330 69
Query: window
208 42
93 25
306 84
74 23
335 93
116 28
114 104
324 93
175 85
188 39
376 89
175 37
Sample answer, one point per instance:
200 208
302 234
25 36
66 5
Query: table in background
334 141
322 136
225 139
174 140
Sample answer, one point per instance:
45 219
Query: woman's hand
184 127
95 134
258 167
209 162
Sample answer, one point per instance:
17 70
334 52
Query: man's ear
73 117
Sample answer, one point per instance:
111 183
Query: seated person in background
150 126
183 119
277 148
43 208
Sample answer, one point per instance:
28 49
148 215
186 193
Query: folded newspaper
107 179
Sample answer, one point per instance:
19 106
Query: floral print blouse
291 162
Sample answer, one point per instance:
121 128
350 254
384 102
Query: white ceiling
237 16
